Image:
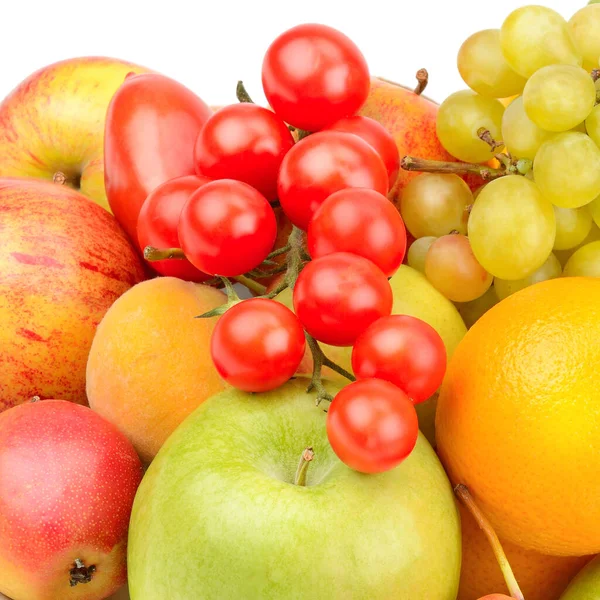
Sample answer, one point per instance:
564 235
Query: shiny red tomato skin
227 228
338 296
372 426
324 163
158 221
257 345
404 351
313 75
377 136
362 222
151 127
245 142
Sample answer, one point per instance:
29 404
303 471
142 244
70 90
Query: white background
209 44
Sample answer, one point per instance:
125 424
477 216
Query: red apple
63 261
67 483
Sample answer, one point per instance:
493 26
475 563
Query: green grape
520 134
567 170
559 97
564 255
451 267
585 262
572 226
533 37
435 204
472 311
484 69
594 2
585 29
418 251
549 270
459 119
594 210
511 227
592 124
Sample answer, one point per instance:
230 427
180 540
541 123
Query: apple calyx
306 458
80 573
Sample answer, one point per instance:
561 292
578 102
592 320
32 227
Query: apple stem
80 573
413 163
465 497
305 459
422 81
242 94
152 254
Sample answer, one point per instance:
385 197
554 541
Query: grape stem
487 173
595 75
485 136
465 497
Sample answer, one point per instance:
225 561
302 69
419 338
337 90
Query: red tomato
377 136
372 426
314 75
151 127
244 142
405 351
257 345
339 295
227 228
362 222
158 221
324 163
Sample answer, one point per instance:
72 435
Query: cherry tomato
372 426
151 127
314 75
405 351
362 222
377 136
158 221
257 345
244 142
324 163
338 296
227 228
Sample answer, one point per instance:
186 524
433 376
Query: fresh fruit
435 204
313 75
573 225
564 255
274 539
418 252
322 164
586 585
245 142
158 221
592 125
472 311
152 125
362 222
67 483
451 267
559 97
372 425
518 408
567 170
512 227
339 295
584 25
549 270
377 136
257 345
585 262
148 340
462 115
533 37
52 124
227 228
484 69
63 261
404 351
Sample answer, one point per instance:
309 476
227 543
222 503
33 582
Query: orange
540 577
518 418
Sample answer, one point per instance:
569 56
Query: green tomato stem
152 254
242 94
465 497
254 286
305 459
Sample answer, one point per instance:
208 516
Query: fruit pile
334 431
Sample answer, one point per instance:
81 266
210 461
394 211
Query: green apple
219 516
586 586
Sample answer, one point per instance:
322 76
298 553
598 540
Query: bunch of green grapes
533 103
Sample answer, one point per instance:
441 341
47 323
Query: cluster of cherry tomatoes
332 183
